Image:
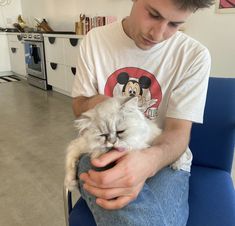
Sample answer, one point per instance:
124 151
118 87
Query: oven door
34 59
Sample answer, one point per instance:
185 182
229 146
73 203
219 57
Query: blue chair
212 194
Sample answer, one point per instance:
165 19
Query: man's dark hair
194 5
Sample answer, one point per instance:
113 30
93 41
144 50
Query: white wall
217 32
9 13
62 15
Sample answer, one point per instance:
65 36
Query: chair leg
67 196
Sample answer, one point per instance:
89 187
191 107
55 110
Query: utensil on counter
43 25
18 27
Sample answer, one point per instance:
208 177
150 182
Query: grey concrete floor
35 127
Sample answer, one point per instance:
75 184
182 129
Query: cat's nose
109 145
112 139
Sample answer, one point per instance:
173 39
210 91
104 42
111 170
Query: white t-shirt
170 79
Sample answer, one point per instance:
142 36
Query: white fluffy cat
116 123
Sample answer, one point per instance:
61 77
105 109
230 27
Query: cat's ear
82 123
130 103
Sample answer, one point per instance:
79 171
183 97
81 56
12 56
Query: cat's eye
120 132
105 135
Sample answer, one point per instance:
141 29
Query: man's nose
158 30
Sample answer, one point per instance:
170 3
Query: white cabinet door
14 37
54 49
13 50
70 73
56 75
17 58
17 55
71 46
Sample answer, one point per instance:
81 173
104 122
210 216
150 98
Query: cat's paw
176 166
71 184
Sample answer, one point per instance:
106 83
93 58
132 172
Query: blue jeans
163 201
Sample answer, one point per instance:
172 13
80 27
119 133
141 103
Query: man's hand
116 187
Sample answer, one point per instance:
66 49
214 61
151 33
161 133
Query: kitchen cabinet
5 66
17 56
61 53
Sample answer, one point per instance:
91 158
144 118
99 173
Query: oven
35 60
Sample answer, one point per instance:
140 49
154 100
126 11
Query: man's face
153 21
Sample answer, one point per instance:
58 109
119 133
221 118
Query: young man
144 56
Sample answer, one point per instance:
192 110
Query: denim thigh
163 201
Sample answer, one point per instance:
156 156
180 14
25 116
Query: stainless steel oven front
35 60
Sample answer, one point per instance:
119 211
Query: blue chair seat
81 215
211 199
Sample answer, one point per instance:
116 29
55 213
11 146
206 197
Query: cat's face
116 123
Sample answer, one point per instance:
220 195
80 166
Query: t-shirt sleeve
187 99
85 82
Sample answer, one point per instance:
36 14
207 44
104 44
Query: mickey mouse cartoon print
137 82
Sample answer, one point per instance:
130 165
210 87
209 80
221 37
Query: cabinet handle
13 50
73 41
19 37
73 69
53 66
51 40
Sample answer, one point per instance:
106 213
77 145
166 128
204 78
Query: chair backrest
212 143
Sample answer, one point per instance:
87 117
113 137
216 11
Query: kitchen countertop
9 33
63 35
60 35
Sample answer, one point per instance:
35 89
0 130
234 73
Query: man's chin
145 44
144 47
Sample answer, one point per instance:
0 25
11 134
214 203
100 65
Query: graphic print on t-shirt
132 81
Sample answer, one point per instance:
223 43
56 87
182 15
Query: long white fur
108 117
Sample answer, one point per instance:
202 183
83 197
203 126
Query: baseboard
61 91
5 73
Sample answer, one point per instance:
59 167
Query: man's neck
125 26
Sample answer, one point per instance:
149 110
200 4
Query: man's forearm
169 146
82 104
